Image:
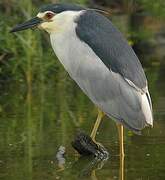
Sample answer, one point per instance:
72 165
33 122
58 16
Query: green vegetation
154 8
27 56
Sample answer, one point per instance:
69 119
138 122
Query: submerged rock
86 146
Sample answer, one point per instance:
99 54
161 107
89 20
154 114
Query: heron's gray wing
111 93
108 43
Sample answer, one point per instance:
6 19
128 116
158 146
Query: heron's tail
147 108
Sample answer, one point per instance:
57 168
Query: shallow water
33 125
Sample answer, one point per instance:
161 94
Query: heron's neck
64 22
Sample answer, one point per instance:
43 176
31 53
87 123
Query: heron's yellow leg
121 138
97 123
121 172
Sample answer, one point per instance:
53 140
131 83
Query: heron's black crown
58 8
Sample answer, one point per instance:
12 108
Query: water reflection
33 128
88 167
60 156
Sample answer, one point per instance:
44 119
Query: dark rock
85 146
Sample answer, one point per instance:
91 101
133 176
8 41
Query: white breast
78 59
71 51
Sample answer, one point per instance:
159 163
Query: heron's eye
49 15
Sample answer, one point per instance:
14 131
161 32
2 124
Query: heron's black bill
26 25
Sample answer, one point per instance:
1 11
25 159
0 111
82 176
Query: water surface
35 124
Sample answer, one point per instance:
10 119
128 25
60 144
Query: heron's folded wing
108 43
111 93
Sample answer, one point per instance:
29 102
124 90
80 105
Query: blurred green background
41 107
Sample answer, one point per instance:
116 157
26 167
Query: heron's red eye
49 15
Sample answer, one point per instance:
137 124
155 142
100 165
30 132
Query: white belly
79 60
74 53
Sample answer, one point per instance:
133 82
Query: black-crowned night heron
99 59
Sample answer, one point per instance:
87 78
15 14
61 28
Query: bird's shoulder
111 47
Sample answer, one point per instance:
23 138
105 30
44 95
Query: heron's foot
101 153
99 145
